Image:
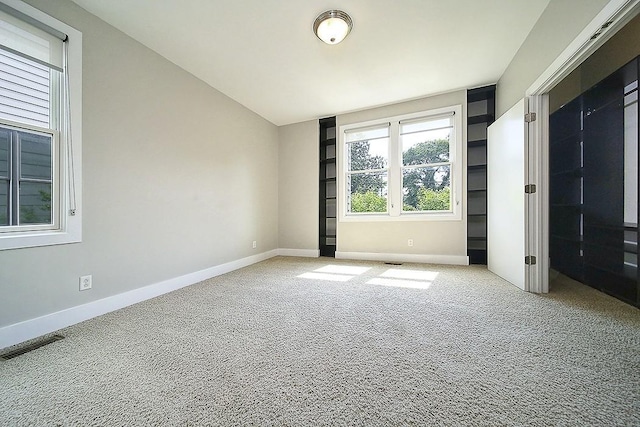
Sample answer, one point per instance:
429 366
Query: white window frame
395 196
386 170
67 225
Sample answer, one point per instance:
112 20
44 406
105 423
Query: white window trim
395 157
70 226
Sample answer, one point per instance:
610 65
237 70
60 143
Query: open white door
507 227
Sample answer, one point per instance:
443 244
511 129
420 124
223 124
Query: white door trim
537 203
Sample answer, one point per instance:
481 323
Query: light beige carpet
318 342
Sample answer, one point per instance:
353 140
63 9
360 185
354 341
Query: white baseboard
417 258
307 253
33 328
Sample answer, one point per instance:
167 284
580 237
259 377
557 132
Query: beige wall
557 27
429 237
616 52
177 178
298 186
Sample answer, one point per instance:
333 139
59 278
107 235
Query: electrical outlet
255 244
410 242
85 282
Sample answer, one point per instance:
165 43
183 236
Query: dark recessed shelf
330 141
476 190
330 160
612 272
577 173
567 238
477 143
480 214
484 118
567 205
476 167
333 179
610 227
569 139
481 94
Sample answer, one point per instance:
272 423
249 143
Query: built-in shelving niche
328 191
480 114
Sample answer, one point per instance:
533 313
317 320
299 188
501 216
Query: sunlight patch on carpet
335 273
326 276
397 278
400 283
428 276
342 269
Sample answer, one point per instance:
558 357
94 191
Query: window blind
424 124
367 133
24 36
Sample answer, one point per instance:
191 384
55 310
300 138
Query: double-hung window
403 168
39 170
367 175
426 163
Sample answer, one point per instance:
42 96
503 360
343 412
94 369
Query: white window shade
22 38
367 133
426 124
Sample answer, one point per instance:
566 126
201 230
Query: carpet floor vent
393 263
26 349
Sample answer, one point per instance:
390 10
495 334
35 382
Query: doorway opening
593 168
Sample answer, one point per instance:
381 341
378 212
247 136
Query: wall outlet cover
85 282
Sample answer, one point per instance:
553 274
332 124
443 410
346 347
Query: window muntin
426 164
367 170
422 178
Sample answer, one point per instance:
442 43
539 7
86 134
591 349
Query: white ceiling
264 55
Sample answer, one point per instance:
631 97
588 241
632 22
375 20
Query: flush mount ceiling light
332 26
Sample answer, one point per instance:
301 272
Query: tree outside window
367 176
426 164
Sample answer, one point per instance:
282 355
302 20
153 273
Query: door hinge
530 188
530 117
530 260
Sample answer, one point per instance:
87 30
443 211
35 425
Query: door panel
506 171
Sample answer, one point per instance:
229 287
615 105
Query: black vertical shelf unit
481 106
328 190
566 175
594 183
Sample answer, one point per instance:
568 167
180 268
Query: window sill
408 217
31 239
